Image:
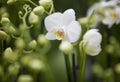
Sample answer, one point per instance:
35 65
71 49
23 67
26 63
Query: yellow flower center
113 15
59 33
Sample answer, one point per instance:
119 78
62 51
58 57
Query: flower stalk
68 68
81 60
34 4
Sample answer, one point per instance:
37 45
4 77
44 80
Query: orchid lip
113 14
59 33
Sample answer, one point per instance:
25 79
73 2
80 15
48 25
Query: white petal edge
109 22
53 21
118 12
73 31
68 16
92 36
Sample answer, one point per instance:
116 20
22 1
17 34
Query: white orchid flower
111 16
98 9
91 42
63 26
101 4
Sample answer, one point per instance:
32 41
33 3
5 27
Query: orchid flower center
59 33
113 15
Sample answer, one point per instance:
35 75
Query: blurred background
104 67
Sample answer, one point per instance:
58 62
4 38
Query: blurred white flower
63 26
93 10
91 42
98 9
99 5
111 16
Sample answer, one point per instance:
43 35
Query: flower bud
108 73
13 69
117 68
36 65
11 30
66 47
26 59
9 2
45 3
19 43
83 21
33 19
5 14
97 70
32 44
39 10
3 35
91 42
4 20
9 55
110 49
42 40
25 78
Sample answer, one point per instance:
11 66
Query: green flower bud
32 44
117 68
9 55
39 10
5 14
46 3
113 40
33 19
11 2
108 73
13 69
42 40
36 65
25 78
10 29
2 10
97 70
66 47
110 49
93 19
83 21
3 35
19 43
5 21
26 59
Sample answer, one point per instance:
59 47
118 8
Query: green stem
32 3
46 12
24 19
38 28
81 59
35 76
68 68
52 8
